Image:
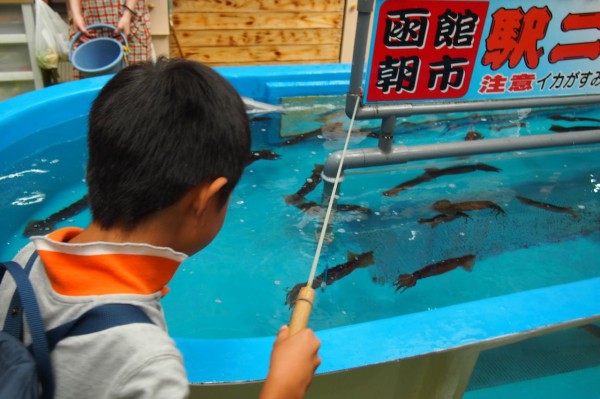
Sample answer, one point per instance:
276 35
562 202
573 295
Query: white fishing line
313 269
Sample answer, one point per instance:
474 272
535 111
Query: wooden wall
257 32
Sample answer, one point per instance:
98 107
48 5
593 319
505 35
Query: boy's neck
95 233
186 226
162 231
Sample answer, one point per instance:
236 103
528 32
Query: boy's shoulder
124 358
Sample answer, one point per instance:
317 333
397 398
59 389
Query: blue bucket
99 55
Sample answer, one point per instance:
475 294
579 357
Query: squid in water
443 218
311 207
47 225
326 127
434 173
473 135
406 281
567 129
333 274
261 154
549 207
572 118
449 208
308 186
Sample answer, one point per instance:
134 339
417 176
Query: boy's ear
205 192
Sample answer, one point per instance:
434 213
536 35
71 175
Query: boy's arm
293 363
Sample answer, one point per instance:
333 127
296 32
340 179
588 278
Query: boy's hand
293 363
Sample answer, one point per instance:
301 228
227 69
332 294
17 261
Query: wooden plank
188 38
257 5
265 20
262 54
257 32
174 52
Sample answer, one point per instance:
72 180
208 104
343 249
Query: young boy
167 145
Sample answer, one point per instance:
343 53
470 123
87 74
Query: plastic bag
51 36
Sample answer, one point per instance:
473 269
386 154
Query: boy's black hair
158 130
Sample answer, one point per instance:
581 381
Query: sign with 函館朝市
432 50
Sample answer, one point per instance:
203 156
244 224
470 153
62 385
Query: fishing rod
306 296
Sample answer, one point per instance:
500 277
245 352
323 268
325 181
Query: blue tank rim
261 83
479 323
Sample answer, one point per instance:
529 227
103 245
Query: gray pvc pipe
365 9
375 111
386 138
369 157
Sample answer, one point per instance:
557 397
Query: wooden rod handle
302 309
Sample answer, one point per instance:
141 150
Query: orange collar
102 268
